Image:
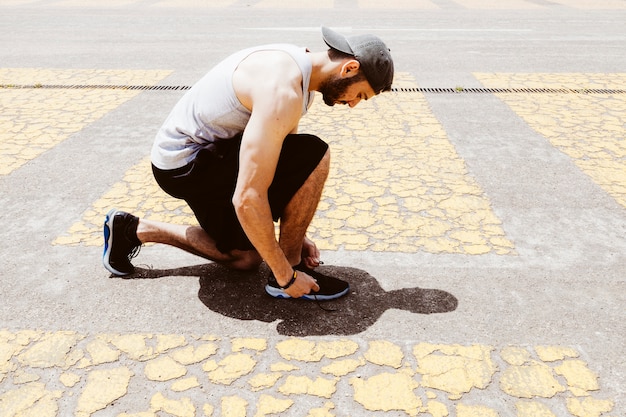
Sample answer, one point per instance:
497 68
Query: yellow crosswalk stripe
589 128
397 185
188 375
34 120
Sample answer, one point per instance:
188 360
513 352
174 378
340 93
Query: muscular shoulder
265 74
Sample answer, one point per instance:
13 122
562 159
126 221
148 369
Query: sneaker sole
108 241
278 293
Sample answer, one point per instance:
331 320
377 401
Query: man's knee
248 260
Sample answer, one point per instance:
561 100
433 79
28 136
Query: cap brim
336 40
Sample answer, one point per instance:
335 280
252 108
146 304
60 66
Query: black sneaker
120 242
330 288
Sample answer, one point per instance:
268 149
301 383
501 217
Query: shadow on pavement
241 295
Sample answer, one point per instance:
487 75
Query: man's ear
350 68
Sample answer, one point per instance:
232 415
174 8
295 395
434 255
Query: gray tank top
210 110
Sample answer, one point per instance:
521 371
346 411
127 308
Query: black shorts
207 184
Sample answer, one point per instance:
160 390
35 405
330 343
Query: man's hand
304 284
310 253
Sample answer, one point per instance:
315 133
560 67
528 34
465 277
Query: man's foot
330 288
120 242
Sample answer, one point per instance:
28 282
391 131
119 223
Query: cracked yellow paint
382 352
46 406
190 354
101 352
398 185
589 128
579 377
180 408
308 351
528 381
234 406
343 367
533 409
52 350
35 120
20 377
436 409
322 411
337 349
588 407
134 345
455 370
69 77
320 387
263 381
387 392
249 343
304 374
30 399
208 410
555 353
463 410
303 350
185 384
169 341
69 379
230 368
103 387
515 355
431 395
271 405
137 193
164 368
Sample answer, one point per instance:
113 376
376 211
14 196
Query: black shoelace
330 310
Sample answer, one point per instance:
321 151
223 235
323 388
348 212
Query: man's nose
353 103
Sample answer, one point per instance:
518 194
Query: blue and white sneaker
120 242
330 288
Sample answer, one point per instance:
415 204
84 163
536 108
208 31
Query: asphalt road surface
478 211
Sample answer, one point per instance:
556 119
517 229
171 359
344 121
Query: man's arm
276 105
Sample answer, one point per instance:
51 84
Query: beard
335 87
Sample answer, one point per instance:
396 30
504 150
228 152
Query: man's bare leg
294 223
195 240
300 210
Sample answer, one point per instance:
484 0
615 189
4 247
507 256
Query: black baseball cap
370 51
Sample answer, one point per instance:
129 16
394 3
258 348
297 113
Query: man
231 150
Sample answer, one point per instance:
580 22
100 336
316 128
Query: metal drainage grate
430 90
462 90
97 87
